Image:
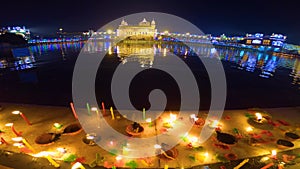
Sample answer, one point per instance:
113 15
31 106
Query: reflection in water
41 50
250 61
296 73
20 63
142 53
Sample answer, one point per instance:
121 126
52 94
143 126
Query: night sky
215 17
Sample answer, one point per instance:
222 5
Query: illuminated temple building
143 31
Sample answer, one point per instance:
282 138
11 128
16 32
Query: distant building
143 31
25 33
274 40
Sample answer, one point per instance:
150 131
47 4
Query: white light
118 158
157 146
214 124
193 139
17 139
9 124
16 112
274 152
173 117
18 144
94 109
77 165
258 116
44 154
90 136
194 117
61 150
148 120
206 154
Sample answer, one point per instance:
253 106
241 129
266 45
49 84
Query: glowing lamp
18 145
77 165
214 124
61 150
17 139
173 118
118 158
16 112
148 120
94 109
193 139
249 129
9 124
194 117
206 154
273 153
57 125
157 146
90 136
258 117
109 31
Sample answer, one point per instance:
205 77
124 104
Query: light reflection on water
251 61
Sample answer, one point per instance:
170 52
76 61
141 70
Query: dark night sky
215 17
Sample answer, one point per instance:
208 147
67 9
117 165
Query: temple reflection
137 52
296 73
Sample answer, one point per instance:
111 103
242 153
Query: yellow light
110 50
249 129
17 139
193 139
264 159
16 112
166 32
57 125
187 33
165 52
109 31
